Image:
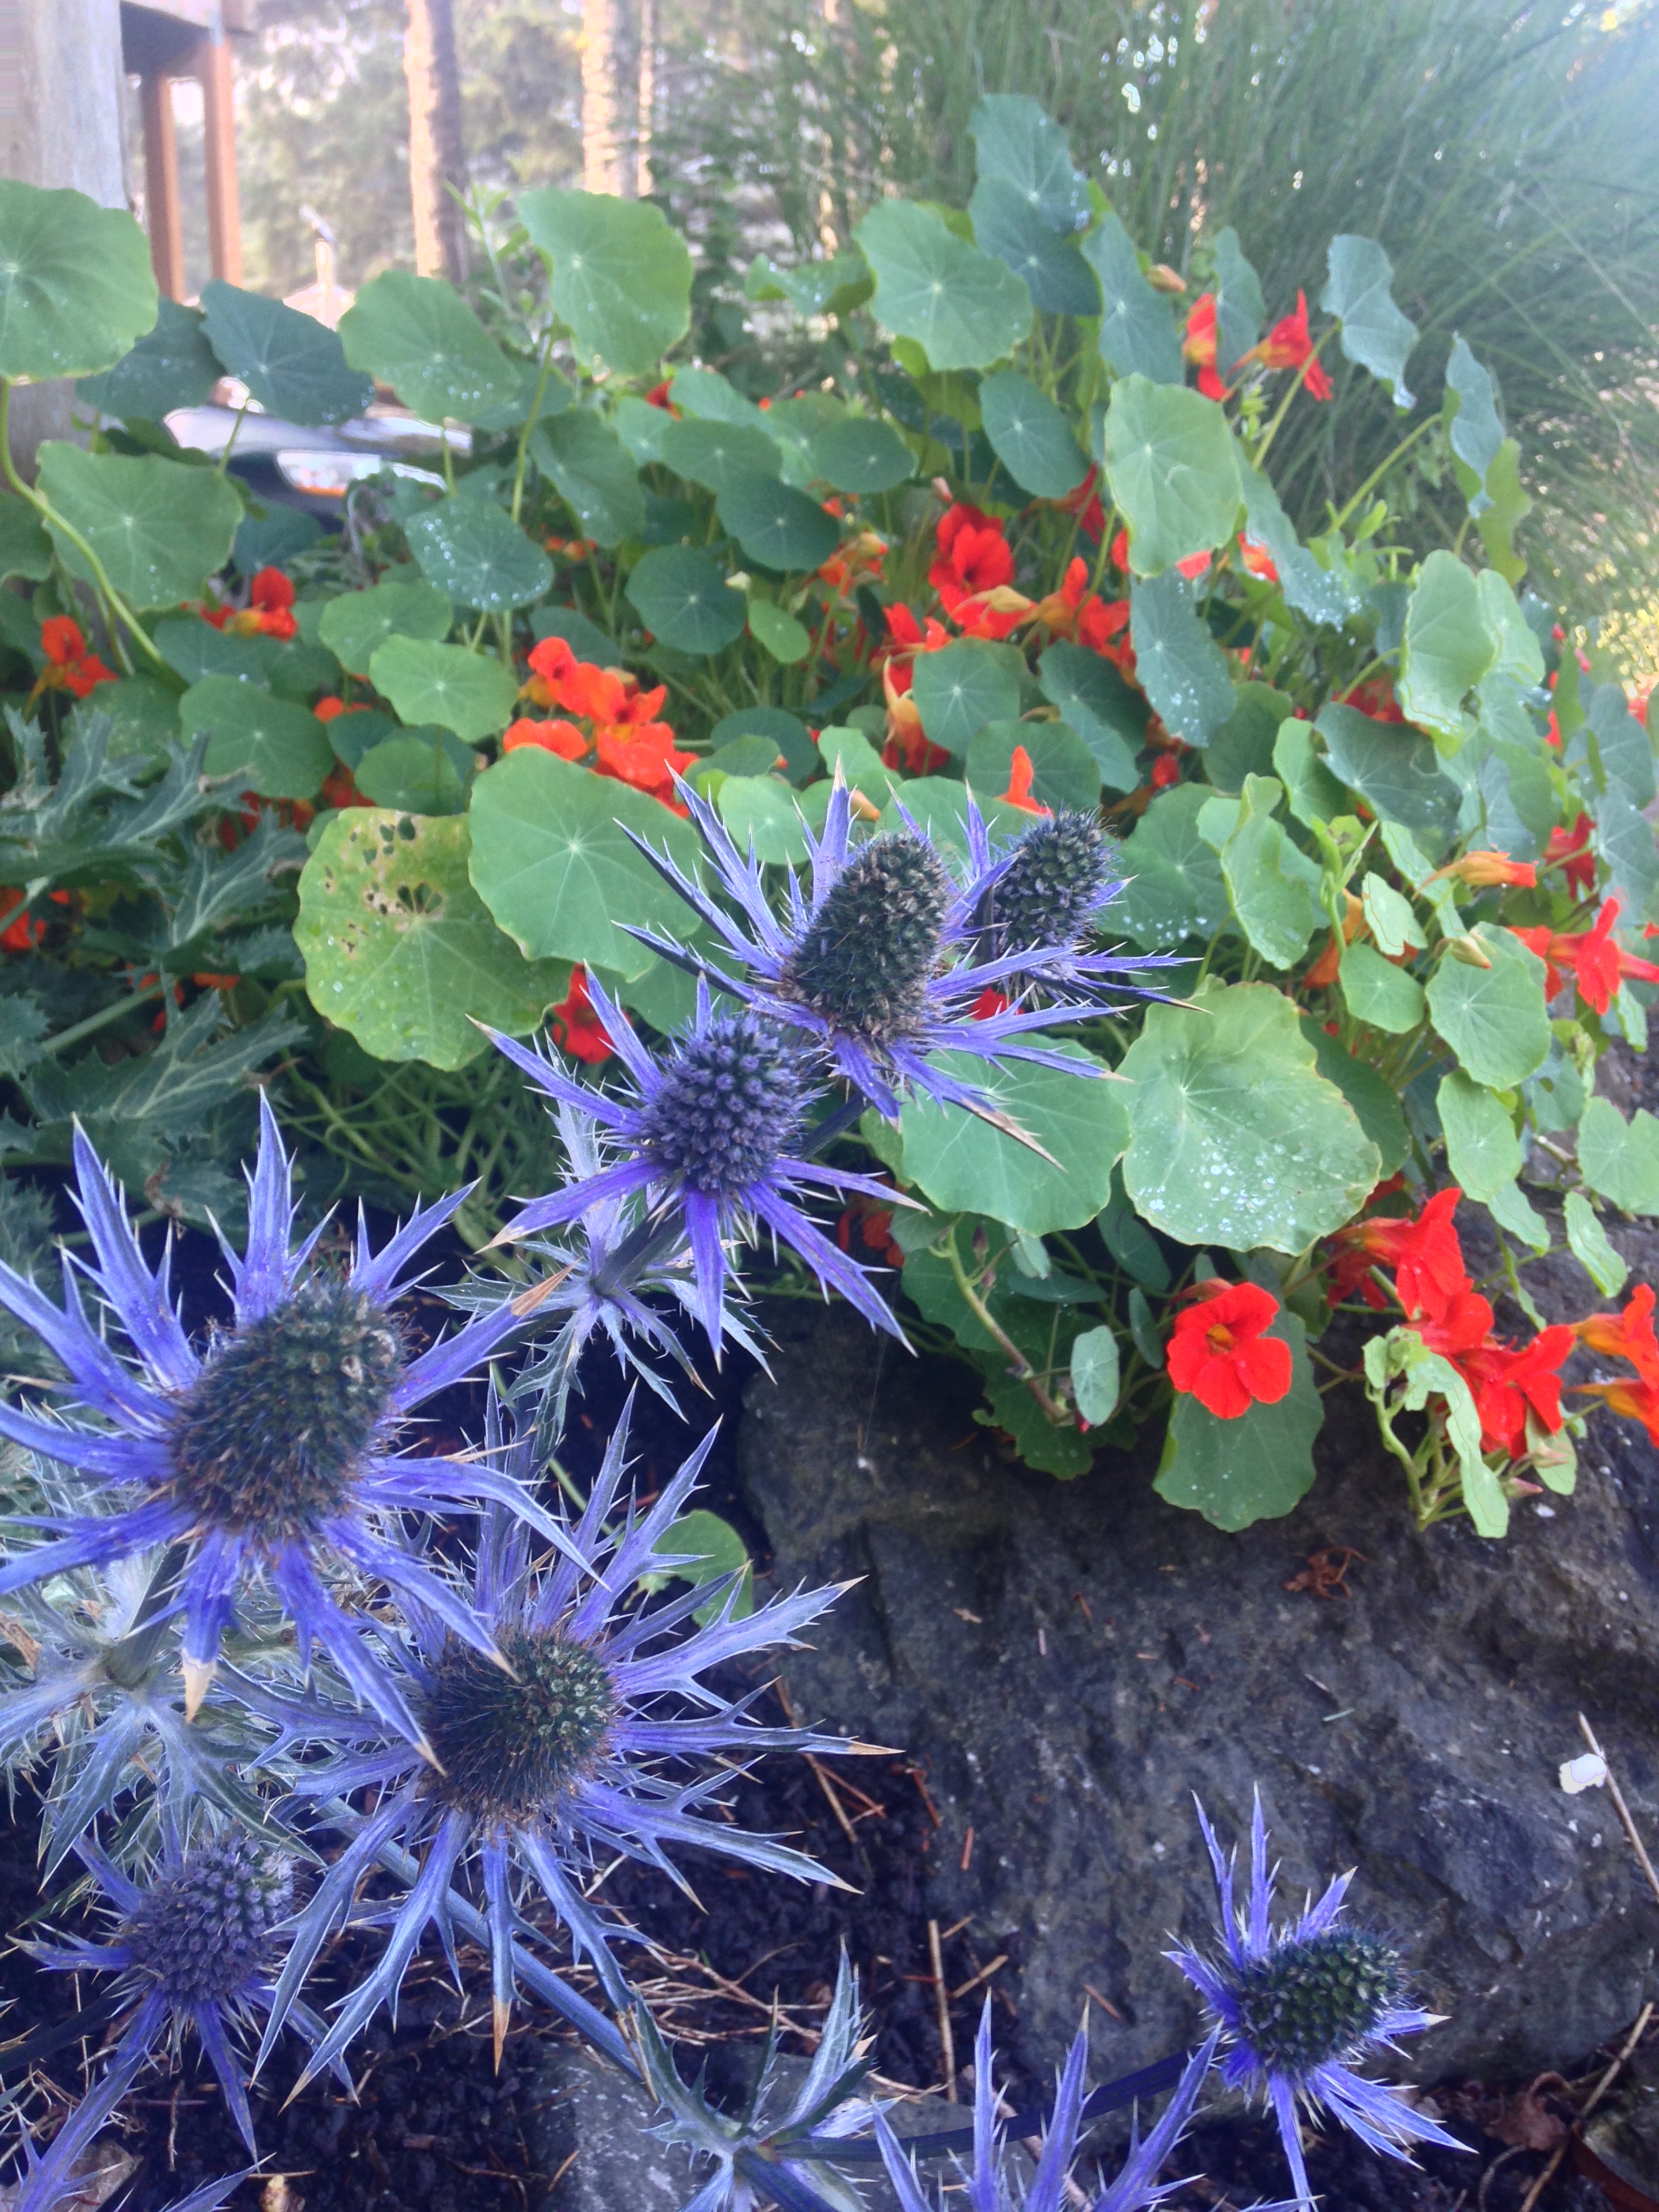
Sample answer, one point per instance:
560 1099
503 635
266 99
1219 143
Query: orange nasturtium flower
1198 345
626 740
268 611
1018 794
1597 963
1485 868
70 667
1219 1355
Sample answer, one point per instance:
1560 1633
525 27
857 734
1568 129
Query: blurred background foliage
1501 154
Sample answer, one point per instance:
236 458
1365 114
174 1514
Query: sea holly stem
115 608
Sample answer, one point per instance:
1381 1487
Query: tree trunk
619 95
437 157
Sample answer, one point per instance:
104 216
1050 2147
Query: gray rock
594 2137
1072 1661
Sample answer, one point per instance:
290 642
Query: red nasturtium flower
576 1028
1375 697
1424 1254
973 555
1569 850
1509 1383
268 611
1198 345
1483 868
1288 344
70 667
1018 794
1219 1355
1192 567
1628 1335
1165 772
626 740
1594 958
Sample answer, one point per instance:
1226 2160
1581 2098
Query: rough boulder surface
1070 1661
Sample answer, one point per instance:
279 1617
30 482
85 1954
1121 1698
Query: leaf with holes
294 365
684 600
553 861
621 276
473 549
428 682
966 309
76 288
399 948
419 336
158 530
1237 1139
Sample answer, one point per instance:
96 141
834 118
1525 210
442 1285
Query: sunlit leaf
76 287
419 336
622 277
965 308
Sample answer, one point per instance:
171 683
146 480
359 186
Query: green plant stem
533 418
1382 468
1284 407
1023 1368
224 457
101 1019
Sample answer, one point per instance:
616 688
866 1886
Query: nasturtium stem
1284 407
531 422
224 457
1024 1370
1381 470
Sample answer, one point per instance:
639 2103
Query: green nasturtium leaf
1172 465
76 285
473 550
1622 745
1182 669
1244 744
965 1164
1095 701
1619 1159
1137 336
761 811
1064 773
1591 1248
711 1549
706 392
1273 885
1240 309
416 772
1049 266
715 454
428 682
1510 508
1313 793
1372 1096
1373 332
1390 917
1380 994
684 600
965 308
25 548
1173 891
960 688
1238 1140
172 366
1017 142
279 747
787 639
1310 589
158 530
399 948
1483 1152
553 861
1095 1375
834 287
1476 429
792 752
1448 647
1257 1468
1494 1019
1401 1357
594 473
1396 772
1030 437
622 277
419 336
357 624
294 365
775 525
860 455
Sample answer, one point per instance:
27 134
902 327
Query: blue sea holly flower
196 1946
1045 898
707 1138
603 1737
1299 2004
271 1450
876 966
1051 2187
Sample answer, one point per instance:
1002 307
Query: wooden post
162 205
437 155
213 68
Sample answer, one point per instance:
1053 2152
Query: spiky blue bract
271 1451
706 1138
197 1946
1137 2183
880 957
604 1739
1299 2004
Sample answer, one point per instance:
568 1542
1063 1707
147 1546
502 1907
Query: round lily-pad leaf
594 473
1030 437
357 624
1238 1141
775 525
861 455
965 308
788 735
419 336
1064 773
400 950
416 772
1097 702
427 681
294 365
172 366
960 688
684 600
76 287
714 453
474 551
159 531
279 747
622 277
553 861
761 811
1172 464
966 1165
787 639
1495 1019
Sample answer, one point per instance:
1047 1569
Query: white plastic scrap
1587 1772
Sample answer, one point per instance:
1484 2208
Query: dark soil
434 2128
